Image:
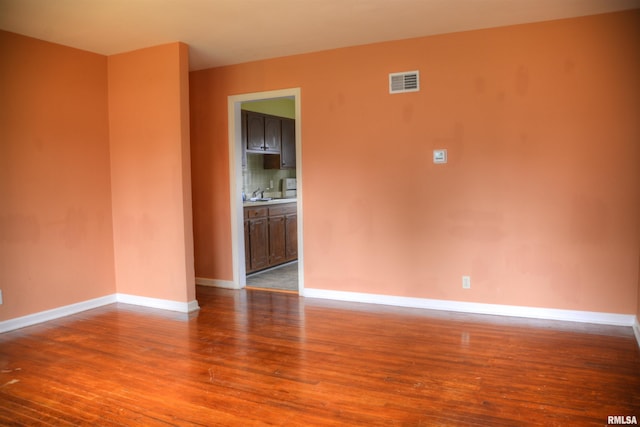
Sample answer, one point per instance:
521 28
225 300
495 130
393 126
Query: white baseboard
55 313
458 306
164 304
67 310
226 284
478 308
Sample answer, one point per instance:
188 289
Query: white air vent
409 81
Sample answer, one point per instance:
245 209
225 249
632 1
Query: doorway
236 182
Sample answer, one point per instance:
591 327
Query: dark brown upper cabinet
287 157
263 132
272 134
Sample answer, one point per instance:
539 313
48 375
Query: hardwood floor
265 358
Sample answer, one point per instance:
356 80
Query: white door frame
235 180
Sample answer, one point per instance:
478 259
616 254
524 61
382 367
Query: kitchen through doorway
266 202
281 278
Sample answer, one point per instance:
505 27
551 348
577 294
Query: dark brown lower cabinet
258 233
276 240
271 236
291 236
247 245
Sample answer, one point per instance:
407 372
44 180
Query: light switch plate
440 155
466 282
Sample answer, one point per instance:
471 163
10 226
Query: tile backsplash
254 175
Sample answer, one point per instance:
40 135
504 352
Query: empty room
301 212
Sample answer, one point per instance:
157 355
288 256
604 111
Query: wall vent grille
408 81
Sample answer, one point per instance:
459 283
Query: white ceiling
223 32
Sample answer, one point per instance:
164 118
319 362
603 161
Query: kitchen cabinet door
276 240
247 247
287 157
291 236
243 132
288 149
258 241
272 134
255 131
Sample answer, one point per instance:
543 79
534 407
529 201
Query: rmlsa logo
622 419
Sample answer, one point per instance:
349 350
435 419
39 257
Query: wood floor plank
264 358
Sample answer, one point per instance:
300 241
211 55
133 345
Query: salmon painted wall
210 176
150 172
56 244
540 200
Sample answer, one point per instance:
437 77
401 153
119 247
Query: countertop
269 202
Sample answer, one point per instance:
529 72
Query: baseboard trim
55 313
226 284
636 330
164 304
478 308
67 310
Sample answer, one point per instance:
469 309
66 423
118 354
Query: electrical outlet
466 282
440 156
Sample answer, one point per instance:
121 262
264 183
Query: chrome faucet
255 193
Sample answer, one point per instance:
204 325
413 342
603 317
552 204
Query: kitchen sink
270 199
